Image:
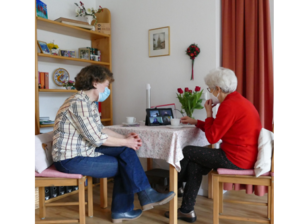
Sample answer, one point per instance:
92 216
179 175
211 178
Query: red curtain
247 50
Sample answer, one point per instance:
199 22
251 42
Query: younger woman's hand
188 120
133 142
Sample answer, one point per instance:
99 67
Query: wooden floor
203 209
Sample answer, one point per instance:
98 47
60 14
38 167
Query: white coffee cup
130 120
175 122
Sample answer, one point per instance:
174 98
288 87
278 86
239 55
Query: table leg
173 203
149 164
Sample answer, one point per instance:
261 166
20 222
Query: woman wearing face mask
82 145
237 123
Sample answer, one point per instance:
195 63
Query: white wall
190 21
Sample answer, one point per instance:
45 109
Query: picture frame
84 53
159 41
41 9
67 53
43 47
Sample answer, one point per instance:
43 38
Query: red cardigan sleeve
215 129
200 124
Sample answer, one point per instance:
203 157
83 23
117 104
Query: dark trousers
121 163
199 161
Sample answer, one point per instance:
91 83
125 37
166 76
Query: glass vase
189 113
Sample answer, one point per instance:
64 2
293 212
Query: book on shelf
75 23
42 80
46 80
47 122
62 19
44 118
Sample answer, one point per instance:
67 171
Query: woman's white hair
222 77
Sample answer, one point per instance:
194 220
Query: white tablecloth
162 142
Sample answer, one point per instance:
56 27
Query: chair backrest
43 151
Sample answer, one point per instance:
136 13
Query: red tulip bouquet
193 51
190 100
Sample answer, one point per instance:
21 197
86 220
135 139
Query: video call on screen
160 117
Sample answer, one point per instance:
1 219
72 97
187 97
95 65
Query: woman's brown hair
92 73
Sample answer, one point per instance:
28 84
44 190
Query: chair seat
240 172
53 172
250 189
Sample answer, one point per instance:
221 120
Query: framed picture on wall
159 42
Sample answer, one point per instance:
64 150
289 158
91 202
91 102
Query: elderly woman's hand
208 107
188 120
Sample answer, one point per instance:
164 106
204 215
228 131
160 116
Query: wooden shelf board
72 59
46 125
57 27
105 119
51 125
59 90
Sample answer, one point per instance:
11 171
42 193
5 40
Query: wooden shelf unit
98 40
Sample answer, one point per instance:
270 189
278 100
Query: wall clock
60 76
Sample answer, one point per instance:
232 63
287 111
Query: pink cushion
250 189
52 172
240 172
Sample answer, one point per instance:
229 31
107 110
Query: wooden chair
216 180
52 177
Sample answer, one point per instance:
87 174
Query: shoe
119 217
180 192
188 217
150 197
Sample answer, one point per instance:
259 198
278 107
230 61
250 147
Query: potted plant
53 48
69 84
88 13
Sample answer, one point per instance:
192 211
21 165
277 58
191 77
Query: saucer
124 123
174 127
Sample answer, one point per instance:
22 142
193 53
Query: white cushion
265 150
43 151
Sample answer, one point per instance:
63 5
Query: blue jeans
121 163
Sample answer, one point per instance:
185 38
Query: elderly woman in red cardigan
237 124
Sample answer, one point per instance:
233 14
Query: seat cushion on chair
43 151
240 172
265 149
53 172
258 190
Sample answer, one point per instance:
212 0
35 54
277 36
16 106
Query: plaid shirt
77 129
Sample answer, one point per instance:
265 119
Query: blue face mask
103 96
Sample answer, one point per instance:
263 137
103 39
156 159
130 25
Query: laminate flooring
203 209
